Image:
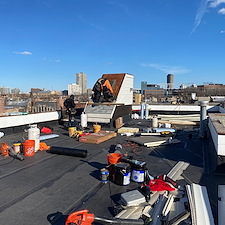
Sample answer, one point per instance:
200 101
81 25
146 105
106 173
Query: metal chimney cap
203 103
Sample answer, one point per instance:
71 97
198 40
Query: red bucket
28 147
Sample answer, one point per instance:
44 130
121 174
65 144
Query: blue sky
44 43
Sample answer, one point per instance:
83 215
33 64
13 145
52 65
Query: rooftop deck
45 188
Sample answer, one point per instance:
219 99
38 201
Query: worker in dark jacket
97 91
70 106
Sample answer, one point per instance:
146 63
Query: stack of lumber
191 119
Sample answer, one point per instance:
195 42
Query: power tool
83 217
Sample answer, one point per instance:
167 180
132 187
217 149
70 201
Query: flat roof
45 188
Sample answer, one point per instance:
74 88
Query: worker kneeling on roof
102 91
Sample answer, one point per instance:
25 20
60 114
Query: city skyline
165 85
44 43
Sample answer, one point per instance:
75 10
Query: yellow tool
77 133
166 133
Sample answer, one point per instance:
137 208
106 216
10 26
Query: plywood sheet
97 138
154 140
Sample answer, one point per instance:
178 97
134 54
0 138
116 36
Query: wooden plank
128 130
119 122
180 122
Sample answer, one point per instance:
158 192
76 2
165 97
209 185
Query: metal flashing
201 212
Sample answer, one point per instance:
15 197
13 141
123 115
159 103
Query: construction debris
161 205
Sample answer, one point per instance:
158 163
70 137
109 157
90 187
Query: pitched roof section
115 80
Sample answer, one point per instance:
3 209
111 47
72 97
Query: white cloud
222 11
204 5
215 3
45 59
167 69
200 13
222 31
23 53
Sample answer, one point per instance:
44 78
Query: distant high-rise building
4 90
81 80
15 91
170 81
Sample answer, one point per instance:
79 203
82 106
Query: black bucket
122 173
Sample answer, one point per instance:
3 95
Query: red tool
82 217
5 149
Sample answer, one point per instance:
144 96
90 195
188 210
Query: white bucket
154 122
138 175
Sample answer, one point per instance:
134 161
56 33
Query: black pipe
119 221
15 155
68 151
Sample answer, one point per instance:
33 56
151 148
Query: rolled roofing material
68 151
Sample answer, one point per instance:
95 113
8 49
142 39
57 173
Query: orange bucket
114 158
28 147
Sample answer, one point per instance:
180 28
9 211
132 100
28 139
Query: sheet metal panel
221 204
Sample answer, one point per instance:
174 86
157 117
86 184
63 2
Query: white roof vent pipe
203 118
